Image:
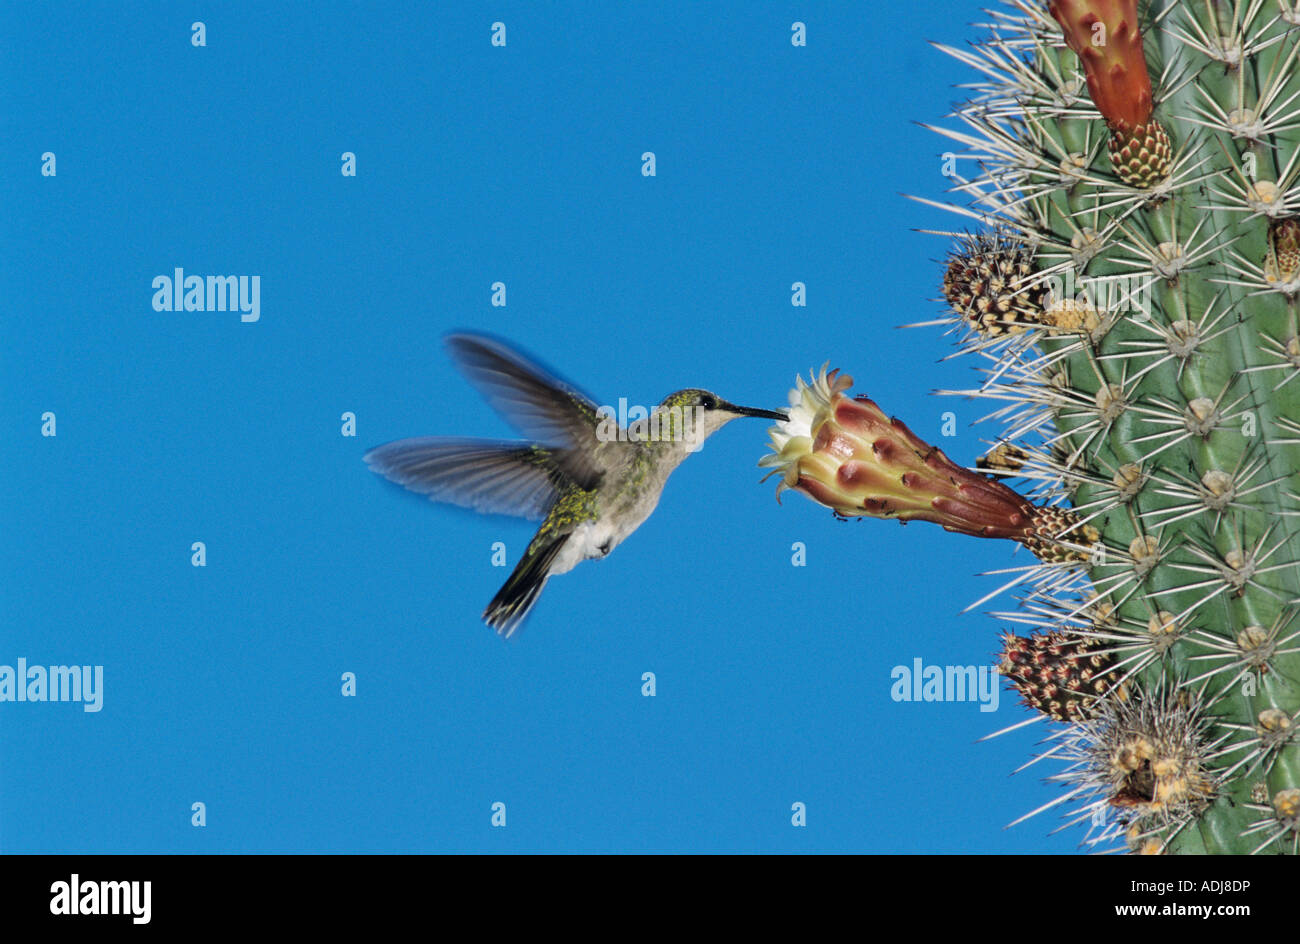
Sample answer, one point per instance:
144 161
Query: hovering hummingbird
589 479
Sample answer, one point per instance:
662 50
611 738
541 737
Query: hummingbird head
691 416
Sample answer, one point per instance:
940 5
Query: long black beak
753 411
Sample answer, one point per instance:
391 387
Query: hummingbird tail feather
517 596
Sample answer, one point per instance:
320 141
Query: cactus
1131 296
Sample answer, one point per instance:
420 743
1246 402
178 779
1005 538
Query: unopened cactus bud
1059 674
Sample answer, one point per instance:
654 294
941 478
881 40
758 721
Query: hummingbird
590 480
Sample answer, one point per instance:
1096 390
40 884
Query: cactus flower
845 453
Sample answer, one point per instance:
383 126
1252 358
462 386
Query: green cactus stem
1138 309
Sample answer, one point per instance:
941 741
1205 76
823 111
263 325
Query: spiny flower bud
988 283
1057 673
848 455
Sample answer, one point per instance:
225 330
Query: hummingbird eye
708 401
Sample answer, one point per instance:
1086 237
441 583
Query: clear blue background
475 164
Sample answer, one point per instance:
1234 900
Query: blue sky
475 164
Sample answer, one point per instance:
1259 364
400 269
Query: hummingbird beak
753 411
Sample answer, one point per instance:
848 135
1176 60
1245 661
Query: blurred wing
502 478
541 405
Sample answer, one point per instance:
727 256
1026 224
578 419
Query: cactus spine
1131 296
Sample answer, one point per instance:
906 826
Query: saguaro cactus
1130 295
